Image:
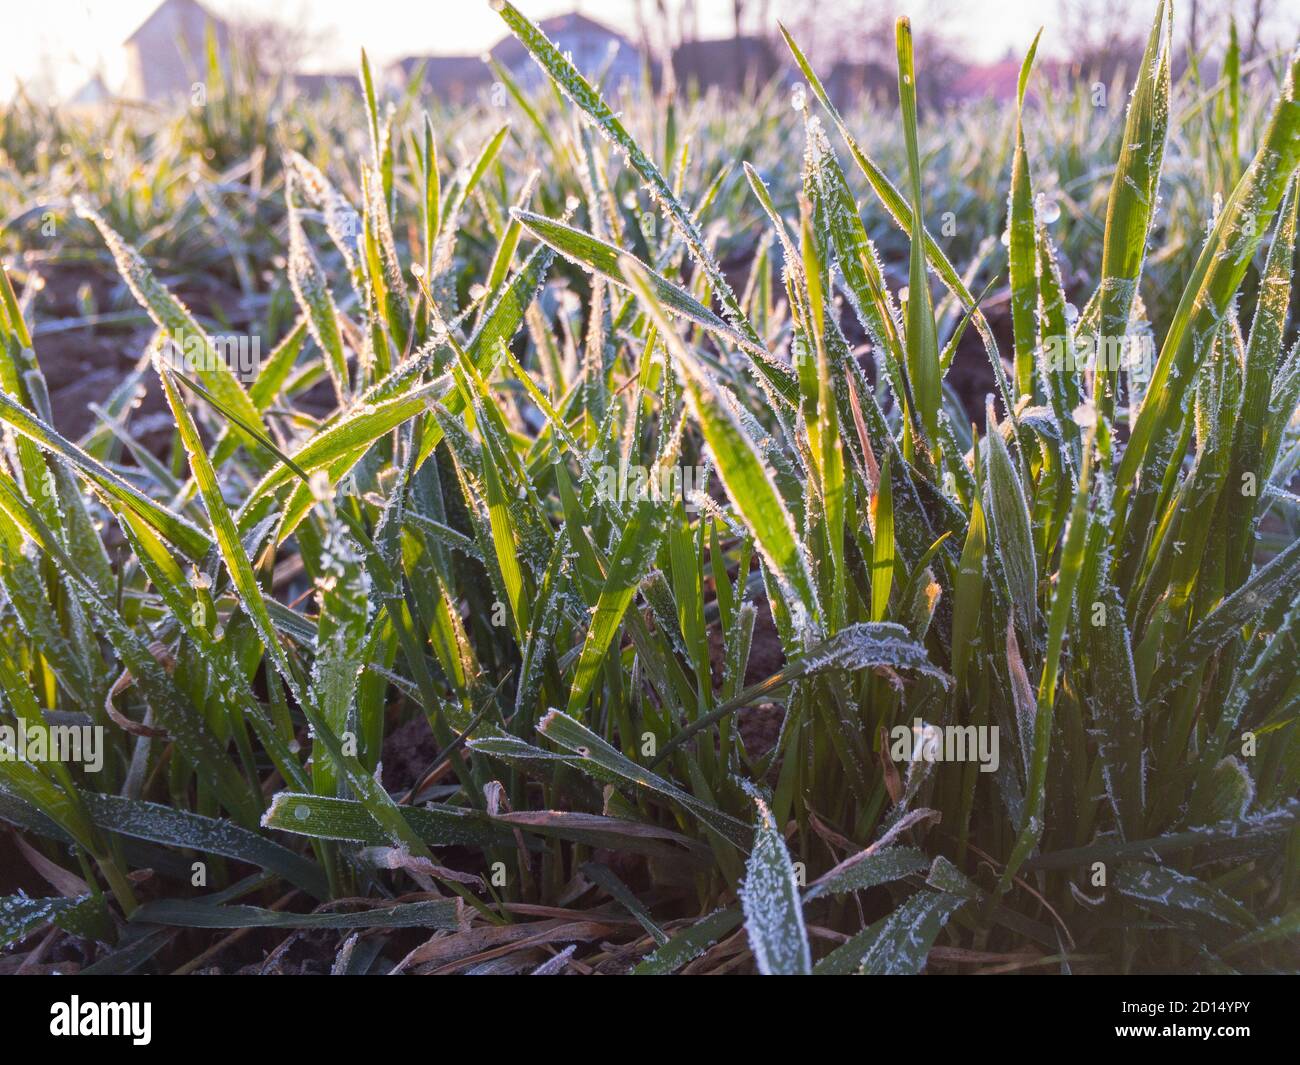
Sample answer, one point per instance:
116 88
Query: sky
57 45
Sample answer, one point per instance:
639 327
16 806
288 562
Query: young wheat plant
739 647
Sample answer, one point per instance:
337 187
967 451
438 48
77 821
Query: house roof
510 51
172 5
445 73
320 84
847 80
92 91
746 45
459 64
726 61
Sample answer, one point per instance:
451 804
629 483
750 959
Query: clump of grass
1082 580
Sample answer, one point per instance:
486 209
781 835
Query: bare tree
751 18
1267 28
852 44
667 25
690 20
1105 38
276 45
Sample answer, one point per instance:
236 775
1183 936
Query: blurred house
593 48
321 86
731 64
167 54
454 79
849 82
93 92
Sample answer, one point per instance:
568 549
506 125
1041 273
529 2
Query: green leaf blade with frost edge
21 916
1022 258
969 593
377 801
867 644
1260 834
1245 218
882 867
317 304
1181 898
614 766
573 85
342 635
610 882
346 439
180 325
632 559
223 525
1277 580
896 204
440 825
194 612
1072 550
346 820
855 254
180 828
342 222
447 914
1131 206
173 712
1011 525
922 338
25 782
599 257
1264 354
771 903
690 943
176 529
862 645
896 945
749 481
883 553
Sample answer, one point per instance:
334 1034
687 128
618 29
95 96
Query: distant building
91 93
731 64
850 82
320 86
454 79
593 48
167 54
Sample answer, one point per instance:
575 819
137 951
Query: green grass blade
772 906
